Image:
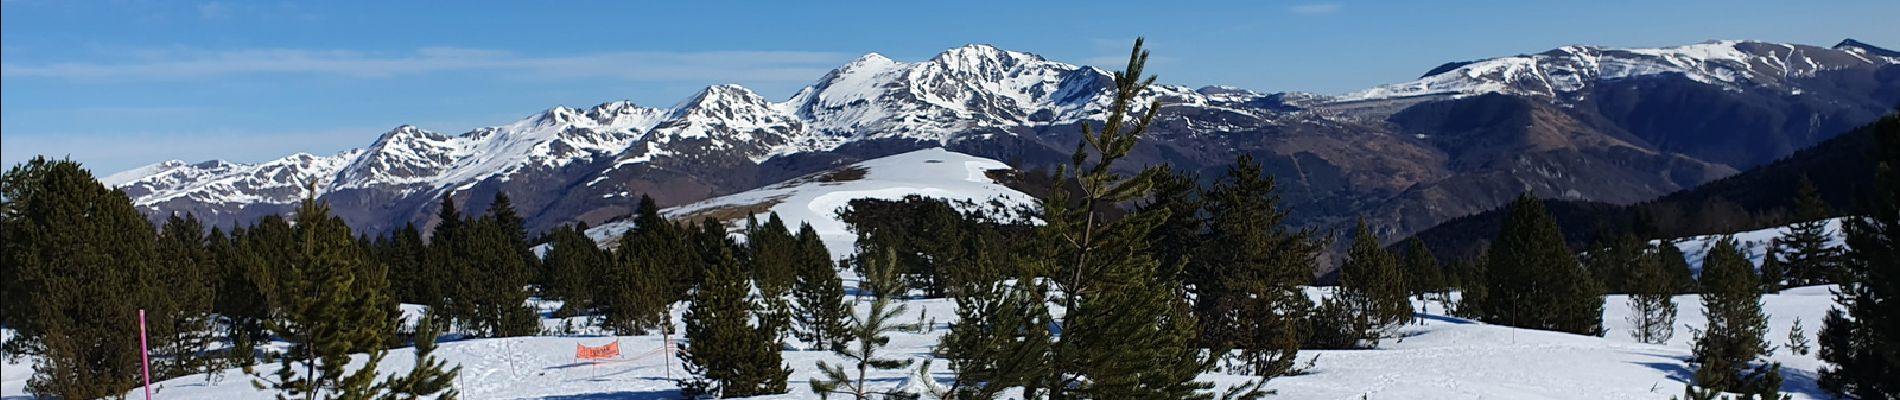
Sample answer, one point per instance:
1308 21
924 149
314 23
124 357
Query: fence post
145 356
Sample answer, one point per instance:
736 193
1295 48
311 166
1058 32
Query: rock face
1578 122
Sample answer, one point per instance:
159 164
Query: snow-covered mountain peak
1567 71
280 181
1867 50
559 115
970 86
974 57
720 96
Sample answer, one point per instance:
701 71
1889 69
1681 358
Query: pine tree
446 266
505 270
237 299
335 309
722 345
654 265
1104 276
78 258
1534 280
249 288
819 292
502 211
1178 240
406 255
1798 339
864 336
1773 274
1651 300
629 290
1810 259
1860 339
1676 265
1611 259
574 264
1371 287
1000 340
1422 273
184 276
774 268
431 376
1731 300
1472 284
1246 277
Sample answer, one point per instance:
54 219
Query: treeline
1839 169
80 263
1112 286
1204 279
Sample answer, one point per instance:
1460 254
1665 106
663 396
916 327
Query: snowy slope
1754 243
934 172
1442 358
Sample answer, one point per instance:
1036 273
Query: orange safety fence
610 350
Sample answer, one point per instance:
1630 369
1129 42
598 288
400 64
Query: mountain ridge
569 164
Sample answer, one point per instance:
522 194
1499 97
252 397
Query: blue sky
118 84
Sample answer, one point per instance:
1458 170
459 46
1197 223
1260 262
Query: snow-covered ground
1440 358
933 172
1754 242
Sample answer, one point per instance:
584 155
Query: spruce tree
1651 300
1247 276
1809 258
1860 339
81 262
1535 280
1731 300
1103 274
1422 273
864 336
819 292
722 345
1371 287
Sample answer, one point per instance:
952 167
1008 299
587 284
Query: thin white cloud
213 10
188 64
1316 8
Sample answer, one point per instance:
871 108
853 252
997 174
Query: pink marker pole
145 356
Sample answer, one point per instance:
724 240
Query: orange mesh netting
610 350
